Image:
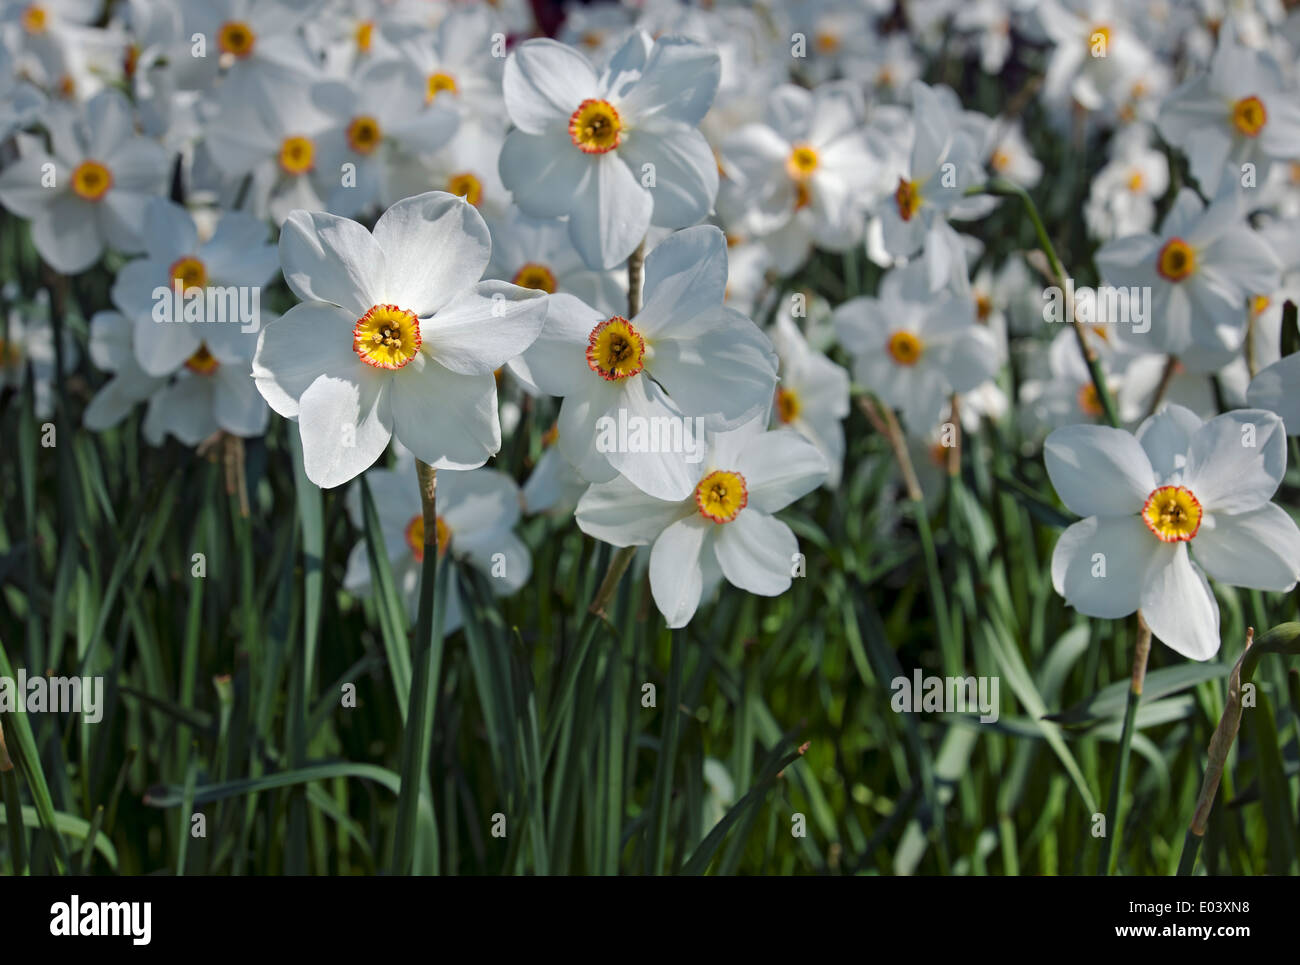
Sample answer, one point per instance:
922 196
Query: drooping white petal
612 214
756 552
1179 607
676 578
619 513
1166 436
345 425
779 467
446 419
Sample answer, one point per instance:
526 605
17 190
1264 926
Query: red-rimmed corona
387 337
1173 514
615 350
721 495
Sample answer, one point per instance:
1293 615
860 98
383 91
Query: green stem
426 662
1109 853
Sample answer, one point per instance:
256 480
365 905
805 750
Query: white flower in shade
276 144
103 176
250 41
615 151
465 167
1180 488
944 162
811 154
111 349
1059 389
1242 111
19 101
686 356
1202 269
29 342
396 337
1010 156
1277 388
537 253
457 63
1122 199
1097 50
554 486
212 391
914 350
812 397
379 118
233 266
724 527
477 512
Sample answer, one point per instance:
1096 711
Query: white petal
726 370
676 579
1178 606
1236 461
756 552
326 258
1259 548
544 173
685 170
1166 436
663 473
1098 471
612 214
1277 388
446 419
435 246
306 341
556 363
485 327
1098 565
779 467
544 82
685 274
679 80
619 513
345 426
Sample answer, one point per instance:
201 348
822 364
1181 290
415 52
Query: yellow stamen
387 337
467 186
365 33
91 180
595 127
1089 401
1000 161
983 306
615 350
1259 304
190 272
236 38
364 134
908 199
297 155
35 19
1177 260
802 162
1173 514
437 83
534 275
415 536
905 348
721 495
788 404
1136 181
1249 116
203 362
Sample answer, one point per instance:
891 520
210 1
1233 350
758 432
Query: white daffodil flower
1243 111
91 193
615 151
811 154
112 337
537 253
396 337
914 350
1122 199
724 527
379 117
211 391
232 266
1202 269
457 64
944 162
685 363
812 397
477 513
28 341
1179 488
